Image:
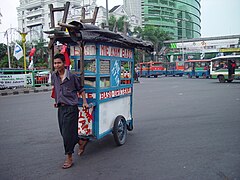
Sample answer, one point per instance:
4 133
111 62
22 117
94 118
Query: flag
18 51
33 50
30 65
65 53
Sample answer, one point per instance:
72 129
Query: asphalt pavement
184 129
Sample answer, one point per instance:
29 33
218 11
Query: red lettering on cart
104 51
89 50
123 53
89 95
85 121
109 94
116 52
81 115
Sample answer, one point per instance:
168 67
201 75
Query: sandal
82 145
67 164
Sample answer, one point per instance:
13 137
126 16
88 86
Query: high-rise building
180 18
133 9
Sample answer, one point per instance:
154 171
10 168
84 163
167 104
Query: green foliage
118 24
112 22
156 35
3 50
138 31
4 62
40 57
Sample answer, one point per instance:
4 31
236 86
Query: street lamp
23 35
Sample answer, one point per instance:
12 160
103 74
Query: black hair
60 56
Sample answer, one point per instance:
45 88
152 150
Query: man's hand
85 105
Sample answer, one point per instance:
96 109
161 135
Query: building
34 15
133 9
201 48
180 18
120 10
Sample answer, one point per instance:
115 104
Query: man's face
58 64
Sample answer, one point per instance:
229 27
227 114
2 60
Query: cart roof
94 34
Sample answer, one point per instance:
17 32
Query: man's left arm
85 104
81 92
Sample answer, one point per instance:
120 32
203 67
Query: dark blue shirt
66 91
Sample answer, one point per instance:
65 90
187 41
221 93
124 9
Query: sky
218 17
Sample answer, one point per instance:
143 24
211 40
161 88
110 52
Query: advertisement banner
15 80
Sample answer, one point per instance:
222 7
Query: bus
197 68
148 69
225 68
174 68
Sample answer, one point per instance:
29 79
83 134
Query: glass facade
181 18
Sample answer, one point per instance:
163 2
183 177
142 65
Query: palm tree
119 25
154 34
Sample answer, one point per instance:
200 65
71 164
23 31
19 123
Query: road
184 129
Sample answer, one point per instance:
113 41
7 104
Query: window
90 81
104 82
104 67
90 66
126 70
104 73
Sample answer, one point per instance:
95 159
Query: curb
23 91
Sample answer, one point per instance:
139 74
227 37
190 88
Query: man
66 88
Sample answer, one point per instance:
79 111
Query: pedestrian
136 74
233 66
66 88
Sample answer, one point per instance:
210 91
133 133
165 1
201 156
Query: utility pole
8 52
182 44
107 24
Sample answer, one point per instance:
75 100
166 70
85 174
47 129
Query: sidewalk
22 90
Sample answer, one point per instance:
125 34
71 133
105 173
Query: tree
4 62
112 22
154 34
41 54
138 31
119 25
3 50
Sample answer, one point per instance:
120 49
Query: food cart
104 61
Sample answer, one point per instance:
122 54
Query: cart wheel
120 130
